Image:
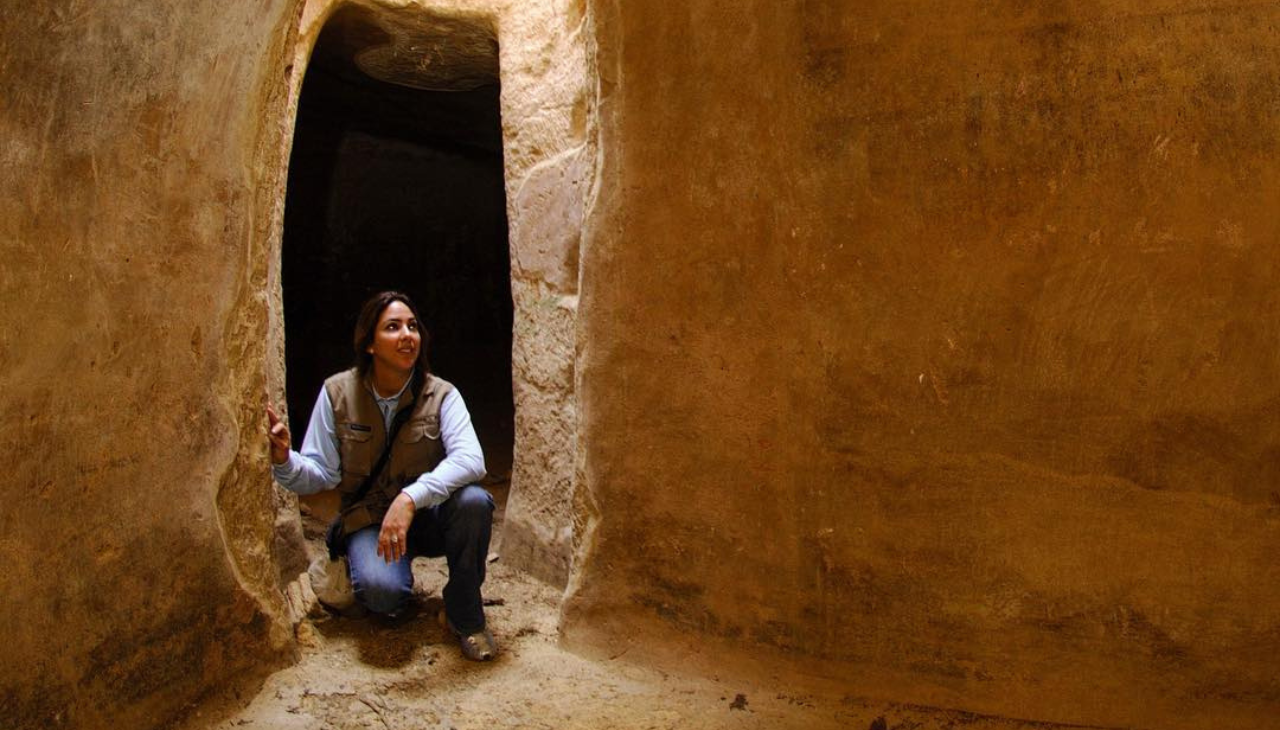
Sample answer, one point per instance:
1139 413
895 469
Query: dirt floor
408 675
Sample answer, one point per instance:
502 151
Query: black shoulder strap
335 538
396 422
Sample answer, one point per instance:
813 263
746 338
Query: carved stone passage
926 347
396 187
426 76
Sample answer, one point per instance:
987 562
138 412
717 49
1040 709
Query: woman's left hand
392 540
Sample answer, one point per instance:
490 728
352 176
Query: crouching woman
398 443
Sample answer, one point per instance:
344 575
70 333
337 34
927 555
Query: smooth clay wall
934 345
137 519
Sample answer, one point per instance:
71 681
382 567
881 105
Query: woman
418 497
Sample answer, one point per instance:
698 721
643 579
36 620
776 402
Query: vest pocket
355 449
427 428
422 448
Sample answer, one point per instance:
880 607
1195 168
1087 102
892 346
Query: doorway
396 182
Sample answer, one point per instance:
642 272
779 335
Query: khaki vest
361 433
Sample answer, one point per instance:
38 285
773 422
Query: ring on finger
395 539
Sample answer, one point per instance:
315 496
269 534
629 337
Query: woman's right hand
278 436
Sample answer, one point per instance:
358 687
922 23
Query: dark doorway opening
396 187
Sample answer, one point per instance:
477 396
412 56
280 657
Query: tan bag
331 581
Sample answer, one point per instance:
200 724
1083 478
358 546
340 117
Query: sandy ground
408 674
367 673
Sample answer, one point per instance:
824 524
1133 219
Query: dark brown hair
367 324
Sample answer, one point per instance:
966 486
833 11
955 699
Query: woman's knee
381 593
469 508
379 586
473 500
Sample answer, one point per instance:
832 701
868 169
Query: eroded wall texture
143 158
935 344
550 158
137 518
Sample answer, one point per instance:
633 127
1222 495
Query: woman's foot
478 647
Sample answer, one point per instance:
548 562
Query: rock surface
937 343
550 158
138 522
144 156
930 349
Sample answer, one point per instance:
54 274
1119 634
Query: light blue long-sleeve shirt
318 466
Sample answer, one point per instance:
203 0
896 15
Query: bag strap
335 537
401 416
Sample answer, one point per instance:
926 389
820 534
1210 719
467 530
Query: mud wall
934 345
137 519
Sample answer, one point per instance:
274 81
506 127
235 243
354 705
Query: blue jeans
459 530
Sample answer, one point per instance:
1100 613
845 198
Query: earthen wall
137 526
933 345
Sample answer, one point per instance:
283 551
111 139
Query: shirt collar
391 398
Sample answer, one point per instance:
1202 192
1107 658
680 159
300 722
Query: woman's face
396 340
